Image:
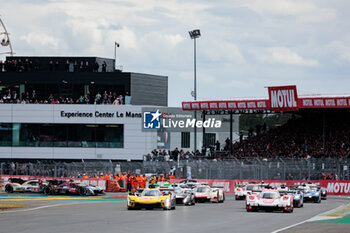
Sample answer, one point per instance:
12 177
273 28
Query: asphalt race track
109 214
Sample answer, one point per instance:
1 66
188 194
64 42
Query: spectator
97 98
95 67
104 66
66 66
81 66
57 66
51 65
87 67
75 66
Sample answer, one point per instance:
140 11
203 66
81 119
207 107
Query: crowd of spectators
298 138
8 96
167 155
69 66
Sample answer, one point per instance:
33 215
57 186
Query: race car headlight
128 201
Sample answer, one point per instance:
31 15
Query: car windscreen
250 187
268 195
202 189
147 193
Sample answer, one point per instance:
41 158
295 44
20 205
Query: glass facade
62 135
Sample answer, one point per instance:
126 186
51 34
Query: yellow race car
152 198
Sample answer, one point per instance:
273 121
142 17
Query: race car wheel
236 197
82 191
9 188
47 191
298 205
223 198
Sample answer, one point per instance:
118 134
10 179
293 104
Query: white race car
241 191
269 200
19 185
205 193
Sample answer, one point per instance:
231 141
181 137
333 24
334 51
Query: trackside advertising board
98 182
334 187
283 98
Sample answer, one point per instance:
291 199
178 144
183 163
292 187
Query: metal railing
248 168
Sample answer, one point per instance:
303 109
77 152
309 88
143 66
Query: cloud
174 39
282 55
40 39
305 11
341 50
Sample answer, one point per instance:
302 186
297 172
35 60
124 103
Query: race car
323 193
269 200
240 193
298 196
151 198
205 193
311 193
243 190
19 185
51 187
73 188
184 194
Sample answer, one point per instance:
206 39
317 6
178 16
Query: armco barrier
102 183
334 187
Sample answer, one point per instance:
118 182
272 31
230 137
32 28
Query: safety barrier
334 187
102 183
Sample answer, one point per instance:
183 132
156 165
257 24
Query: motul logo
283 98
338 188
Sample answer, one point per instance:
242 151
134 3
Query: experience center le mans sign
281 99
98 114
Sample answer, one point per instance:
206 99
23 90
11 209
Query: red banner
324 102
334 187
226 105
283 98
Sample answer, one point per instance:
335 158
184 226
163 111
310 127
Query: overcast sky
245 46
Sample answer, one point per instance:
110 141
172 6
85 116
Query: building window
62 135
185 140
210 139
5 134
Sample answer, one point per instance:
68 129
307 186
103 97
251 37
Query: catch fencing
248 168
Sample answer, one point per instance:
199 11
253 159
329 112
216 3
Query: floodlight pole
115 55
194 34
195 92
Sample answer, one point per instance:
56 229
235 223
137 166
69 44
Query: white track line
30 209
307 220
47 206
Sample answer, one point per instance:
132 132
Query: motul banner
324 102
226 105
283 98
